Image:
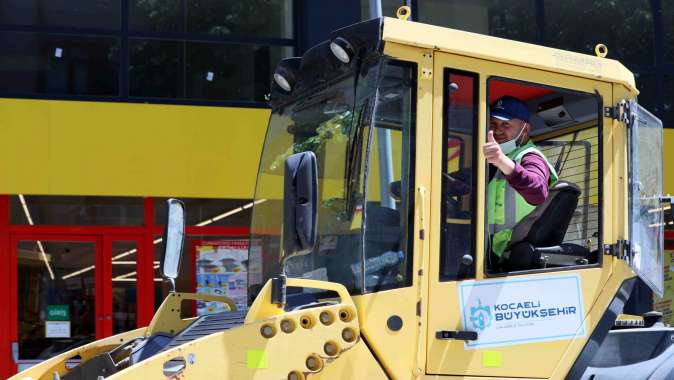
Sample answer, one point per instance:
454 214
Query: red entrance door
73 289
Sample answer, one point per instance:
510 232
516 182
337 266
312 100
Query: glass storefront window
667 30
187 278
515 20
170 66
47 300
156 16
59 64
566 27
124 282
259 18
209 212
202 71
216 71
473 16
81 13
73 210
647 83
667 114
388 8
155 68
251 18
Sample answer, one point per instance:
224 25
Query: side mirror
300 204
174 235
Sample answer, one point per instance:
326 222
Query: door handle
458 335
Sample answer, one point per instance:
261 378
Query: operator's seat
536 240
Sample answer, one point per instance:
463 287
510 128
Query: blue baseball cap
507 108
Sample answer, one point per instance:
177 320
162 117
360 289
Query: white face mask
511 145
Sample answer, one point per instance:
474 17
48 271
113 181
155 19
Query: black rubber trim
207 325
601 331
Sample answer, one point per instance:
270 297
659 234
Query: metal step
207 325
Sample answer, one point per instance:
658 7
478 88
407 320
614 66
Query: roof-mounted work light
342 49
284 75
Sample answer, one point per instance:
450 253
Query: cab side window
575 157
546 214
457 245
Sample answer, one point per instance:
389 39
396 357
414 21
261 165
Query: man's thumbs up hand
494 155
492 150
490 137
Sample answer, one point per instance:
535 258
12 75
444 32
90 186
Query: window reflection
217 71
209 212
156 15
39 294
82 13
57 64
155 68
202 71
124 285
260 18
71 210
565 26
255 18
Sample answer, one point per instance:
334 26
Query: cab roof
504 50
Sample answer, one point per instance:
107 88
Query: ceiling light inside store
128 262
229 213
159 240
126 275
83 270
39 243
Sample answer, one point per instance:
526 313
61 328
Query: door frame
144 283
14 240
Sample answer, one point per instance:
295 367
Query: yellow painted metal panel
356 363
668 186
506 51
54 147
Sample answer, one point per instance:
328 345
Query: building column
7 365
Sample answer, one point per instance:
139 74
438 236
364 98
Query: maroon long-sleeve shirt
530 178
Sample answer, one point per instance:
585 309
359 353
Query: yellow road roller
376 247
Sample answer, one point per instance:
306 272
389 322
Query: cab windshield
359 127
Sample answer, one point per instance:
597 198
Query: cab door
464 337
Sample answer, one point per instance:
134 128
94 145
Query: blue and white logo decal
480 316
517 311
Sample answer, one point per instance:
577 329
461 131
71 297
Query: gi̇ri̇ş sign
516 311
57 324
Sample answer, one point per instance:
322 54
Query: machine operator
519 174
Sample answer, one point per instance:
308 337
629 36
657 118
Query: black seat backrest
547 224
